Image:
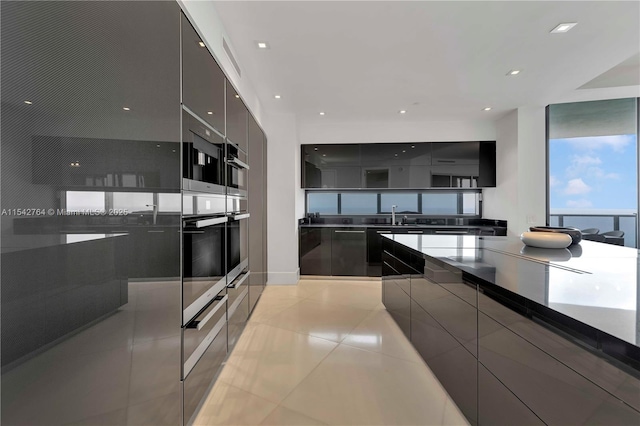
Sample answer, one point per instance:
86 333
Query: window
79 201
359 203
322 202
133 201
593 166
405 203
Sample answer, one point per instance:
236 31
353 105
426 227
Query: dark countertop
16 243
595 284
336 225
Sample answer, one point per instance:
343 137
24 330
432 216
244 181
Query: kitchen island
519 335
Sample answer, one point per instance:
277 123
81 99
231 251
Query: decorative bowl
551 240
574 233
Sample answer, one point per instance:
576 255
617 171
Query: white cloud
585 160
554 182
601 174
576 186
617 142
579 204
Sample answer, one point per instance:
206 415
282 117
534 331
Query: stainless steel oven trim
232 309
202 121
197 305
202 347
198 186
236 192
235 272
239 281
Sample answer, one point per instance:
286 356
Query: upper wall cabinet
237 119
399 165
202 79
331 166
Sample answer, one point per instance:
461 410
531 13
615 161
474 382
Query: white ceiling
366 60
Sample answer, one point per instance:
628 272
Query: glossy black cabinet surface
257 205
348 252
497 356
97 148
203 82
399 165
315 251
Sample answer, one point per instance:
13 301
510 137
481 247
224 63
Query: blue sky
593 172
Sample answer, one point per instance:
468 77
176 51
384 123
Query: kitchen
117 80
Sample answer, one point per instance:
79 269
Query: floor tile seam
295 411
231 361
417 362
305 378
252 394
276 313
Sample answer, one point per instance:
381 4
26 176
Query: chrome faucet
155 212
393 215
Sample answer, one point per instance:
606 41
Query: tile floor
326 352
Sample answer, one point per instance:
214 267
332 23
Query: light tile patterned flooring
326 352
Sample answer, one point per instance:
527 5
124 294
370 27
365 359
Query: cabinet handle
193 232
452 232
239 281
242 216
383 232
349 232
201 323
414 232
234 161
155 231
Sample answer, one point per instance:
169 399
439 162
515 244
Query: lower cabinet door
397 302
196 384
498 406
238 315
315 251
349 252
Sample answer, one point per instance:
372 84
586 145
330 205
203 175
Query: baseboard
337 278
283 278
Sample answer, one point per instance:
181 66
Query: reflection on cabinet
315 251
396 300
399 165
237 116
105 163
202 79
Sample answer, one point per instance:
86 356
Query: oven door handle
205 320
235 161
240 281
210 222
241 216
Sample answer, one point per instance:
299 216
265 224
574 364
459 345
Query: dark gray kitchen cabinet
237 118
315 251
487 167
396 165
374 251
331 166
257 207
155 252
202 79
349 251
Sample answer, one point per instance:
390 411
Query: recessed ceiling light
402 111
321 113
126 108
324 155
514 72
315 149
210 112
201 43
564 27
262 45
486 109
277 96
28 102
238 96
413 146
158 146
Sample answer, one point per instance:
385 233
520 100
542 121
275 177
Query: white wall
520 193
